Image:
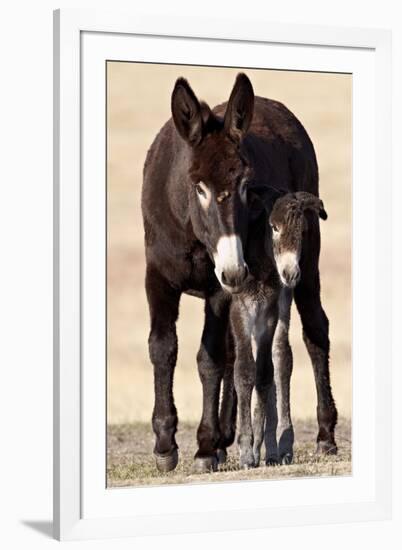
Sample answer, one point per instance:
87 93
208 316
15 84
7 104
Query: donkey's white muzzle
230 267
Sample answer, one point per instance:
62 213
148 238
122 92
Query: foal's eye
200 190
274 228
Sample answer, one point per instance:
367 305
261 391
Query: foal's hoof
222 456
205 464
250 465
326 448
257 457
246 460
271 461
168 462
286 459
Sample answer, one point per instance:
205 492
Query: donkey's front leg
163 303
211 360
244 378
265 405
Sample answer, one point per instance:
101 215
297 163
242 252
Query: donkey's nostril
234 277
224 278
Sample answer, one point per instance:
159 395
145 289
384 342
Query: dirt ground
130 459
138 104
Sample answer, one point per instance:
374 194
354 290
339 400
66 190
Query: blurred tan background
138 102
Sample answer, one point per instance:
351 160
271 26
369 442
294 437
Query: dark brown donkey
195 202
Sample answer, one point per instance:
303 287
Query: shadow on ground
43 527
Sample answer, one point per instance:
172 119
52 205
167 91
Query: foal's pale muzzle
288 268
290 277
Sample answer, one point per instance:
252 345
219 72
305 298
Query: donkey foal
274 250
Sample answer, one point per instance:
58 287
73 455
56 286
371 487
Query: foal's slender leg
265 413
283 366
244 377
163 303
211 366
315 334
228 410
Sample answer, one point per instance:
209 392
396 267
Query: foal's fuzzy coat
262 310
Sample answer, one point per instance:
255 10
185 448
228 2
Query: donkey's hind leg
261 396
265 417
283 366
228 410
315 334
265 413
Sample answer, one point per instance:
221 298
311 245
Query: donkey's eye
274 228
200 190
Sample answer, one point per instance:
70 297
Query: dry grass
130 459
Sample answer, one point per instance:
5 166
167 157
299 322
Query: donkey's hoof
222 456
167 462
286 459
271 461
205 464
326 448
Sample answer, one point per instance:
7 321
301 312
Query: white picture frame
83 507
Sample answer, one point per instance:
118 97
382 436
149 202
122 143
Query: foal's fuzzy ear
261 199
187 112
240 107
322 212
309 201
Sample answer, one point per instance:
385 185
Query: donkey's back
282 152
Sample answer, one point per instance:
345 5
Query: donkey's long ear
311 202
186 112
239 111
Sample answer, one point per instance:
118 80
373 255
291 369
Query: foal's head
219 174
288 222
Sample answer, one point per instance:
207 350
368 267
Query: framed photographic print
222 311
